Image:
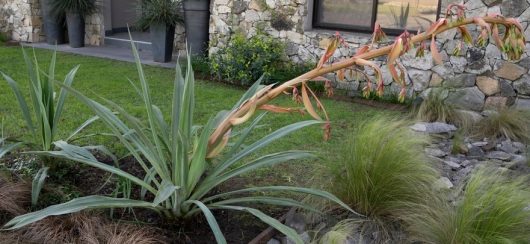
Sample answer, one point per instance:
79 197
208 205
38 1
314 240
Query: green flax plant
44 118
180 171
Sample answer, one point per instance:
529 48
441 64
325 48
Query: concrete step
126 43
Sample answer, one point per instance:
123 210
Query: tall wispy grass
382 169
434 108
506 123
491 209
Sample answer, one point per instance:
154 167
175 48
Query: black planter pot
197 22
53 24
162 41
76 29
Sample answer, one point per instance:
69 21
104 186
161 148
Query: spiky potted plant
197 21
53 23
161 16
76 11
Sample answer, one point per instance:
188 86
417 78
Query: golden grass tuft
83 227
14 197
130 234
72 228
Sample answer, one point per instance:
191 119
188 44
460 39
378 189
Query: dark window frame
352 28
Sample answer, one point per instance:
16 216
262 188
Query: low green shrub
381 170
491 209
506 123
245 60
3 38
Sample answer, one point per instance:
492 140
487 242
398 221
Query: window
360 15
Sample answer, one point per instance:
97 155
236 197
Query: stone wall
20 19
94 27
477 79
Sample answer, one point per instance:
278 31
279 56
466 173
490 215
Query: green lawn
108 79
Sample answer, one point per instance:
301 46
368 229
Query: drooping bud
378 35
457 51
328 87
420 51
296 96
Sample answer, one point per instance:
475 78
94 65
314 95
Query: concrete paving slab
114 53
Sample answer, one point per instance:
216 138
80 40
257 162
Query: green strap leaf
21 102
264 161
279 201
211 221
288 231
37 184
166 190
6 149
82 155
85 124
75 205
314 192
62 96
262 143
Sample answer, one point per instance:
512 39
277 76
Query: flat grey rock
499 155
443 183
435 152
452 164
433 128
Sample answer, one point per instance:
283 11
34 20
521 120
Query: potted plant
161 16
76 11
197 22
53 23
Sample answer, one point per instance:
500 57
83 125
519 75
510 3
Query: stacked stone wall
20 20
478 79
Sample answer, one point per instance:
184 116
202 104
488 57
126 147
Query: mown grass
108 79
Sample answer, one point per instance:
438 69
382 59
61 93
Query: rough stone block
510 71
470 98
487 85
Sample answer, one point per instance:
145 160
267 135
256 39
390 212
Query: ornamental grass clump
182 167
382 170
491 209
506 123
434 108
